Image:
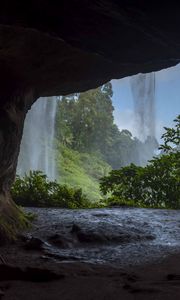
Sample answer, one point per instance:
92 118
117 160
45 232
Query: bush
36 190
156 185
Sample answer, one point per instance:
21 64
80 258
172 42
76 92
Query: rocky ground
32 277
43 263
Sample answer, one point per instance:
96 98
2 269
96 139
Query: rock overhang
59 47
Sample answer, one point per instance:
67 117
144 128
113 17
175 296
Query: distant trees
85 123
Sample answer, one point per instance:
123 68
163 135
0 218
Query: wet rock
34 244
150 237
90 237
60 241
87 237
61 257
23 238
44 257
101 215
75 228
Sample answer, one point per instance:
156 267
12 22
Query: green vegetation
91 149
89 143
81 170
12 220
85 123
36 190
156 185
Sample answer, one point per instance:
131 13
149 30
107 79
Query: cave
50 48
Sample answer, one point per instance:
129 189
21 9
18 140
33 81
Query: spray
37 146
143 92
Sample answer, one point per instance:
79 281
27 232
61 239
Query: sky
167 101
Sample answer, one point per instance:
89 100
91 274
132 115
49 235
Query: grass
81 170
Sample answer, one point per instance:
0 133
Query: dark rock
41 275
60 241
9 272
2 260
34 244
75 228
90 237
87 237
173 277
126 286
101 215
61 257
23 238
1 294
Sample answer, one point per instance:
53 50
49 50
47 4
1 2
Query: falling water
37 151
143 92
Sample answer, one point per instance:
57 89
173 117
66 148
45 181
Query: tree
86 119
155 185
85 123
171 137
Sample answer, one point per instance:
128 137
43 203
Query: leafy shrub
156 185
36 190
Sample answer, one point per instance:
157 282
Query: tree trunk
12 115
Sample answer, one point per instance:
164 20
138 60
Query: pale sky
167 96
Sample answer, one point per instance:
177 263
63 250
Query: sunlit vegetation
89 144
99 165
85 123
81 170
35 189
156 185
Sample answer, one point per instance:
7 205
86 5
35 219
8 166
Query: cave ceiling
59 47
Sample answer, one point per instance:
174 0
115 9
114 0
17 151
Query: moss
12 220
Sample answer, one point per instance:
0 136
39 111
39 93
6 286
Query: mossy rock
12 219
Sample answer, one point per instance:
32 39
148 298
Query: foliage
35 189
171 137
81 170
156 185
80 119
85 123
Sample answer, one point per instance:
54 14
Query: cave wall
50 47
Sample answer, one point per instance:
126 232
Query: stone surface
59 47
9 272
65 46
34 244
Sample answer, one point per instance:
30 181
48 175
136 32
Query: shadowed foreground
82 281
94 254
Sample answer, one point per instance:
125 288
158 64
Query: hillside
81 170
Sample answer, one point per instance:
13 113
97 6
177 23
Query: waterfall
143 92
37 151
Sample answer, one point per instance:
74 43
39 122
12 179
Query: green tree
157 184
171 137
85 123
